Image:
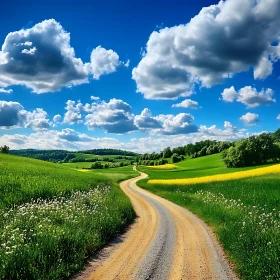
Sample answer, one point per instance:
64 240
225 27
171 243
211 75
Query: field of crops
244 213
52 217
268 170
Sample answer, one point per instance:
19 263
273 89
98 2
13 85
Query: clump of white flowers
29 225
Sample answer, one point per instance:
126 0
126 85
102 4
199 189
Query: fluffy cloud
278 117
114 116
229 132
146 121
250 118
94 98
173 125
73 114
73 136
57 118
42 59
249 96
37 120
104 61
187 103
165 124
229 94
13 115
263 69
220 41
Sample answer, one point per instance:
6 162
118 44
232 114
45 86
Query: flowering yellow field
165 166
274 169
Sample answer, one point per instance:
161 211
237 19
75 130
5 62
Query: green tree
5 149
175 158
167 152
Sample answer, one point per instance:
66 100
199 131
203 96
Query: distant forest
106 152
66 156
254 150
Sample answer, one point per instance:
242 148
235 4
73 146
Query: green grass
78 165
245 214
117 174
52 217
191 168
22 179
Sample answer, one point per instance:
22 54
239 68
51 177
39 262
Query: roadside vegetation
244 212
53 217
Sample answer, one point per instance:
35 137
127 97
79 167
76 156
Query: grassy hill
244 213
53 217
191 168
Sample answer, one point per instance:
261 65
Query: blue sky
137 76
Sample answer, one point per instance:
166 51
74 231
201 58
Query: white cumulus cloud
73 112
223 39
13 115
114 116
187 103
250 118
104 61
249 96
229 94
42 59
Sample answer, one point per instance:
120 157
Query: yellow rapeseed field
273 169
165 166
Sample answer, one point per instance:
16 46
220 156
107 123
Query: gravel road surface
166 242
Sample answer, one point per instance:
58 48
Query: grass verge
52 218
245 215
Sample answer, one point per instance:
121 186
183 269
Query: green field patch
53 217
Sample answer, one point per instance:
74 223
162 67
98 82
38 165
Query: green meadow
191 168
53 217
244 213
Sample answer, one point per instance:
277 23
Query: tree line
198 149
64 156
106 152
254 150
46 155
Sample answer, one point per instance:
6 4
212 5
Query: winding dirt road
166 242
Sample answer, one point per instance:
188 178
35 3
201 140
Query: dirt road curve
166 242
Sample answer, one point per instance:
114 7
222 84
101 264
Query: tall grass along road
166 242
